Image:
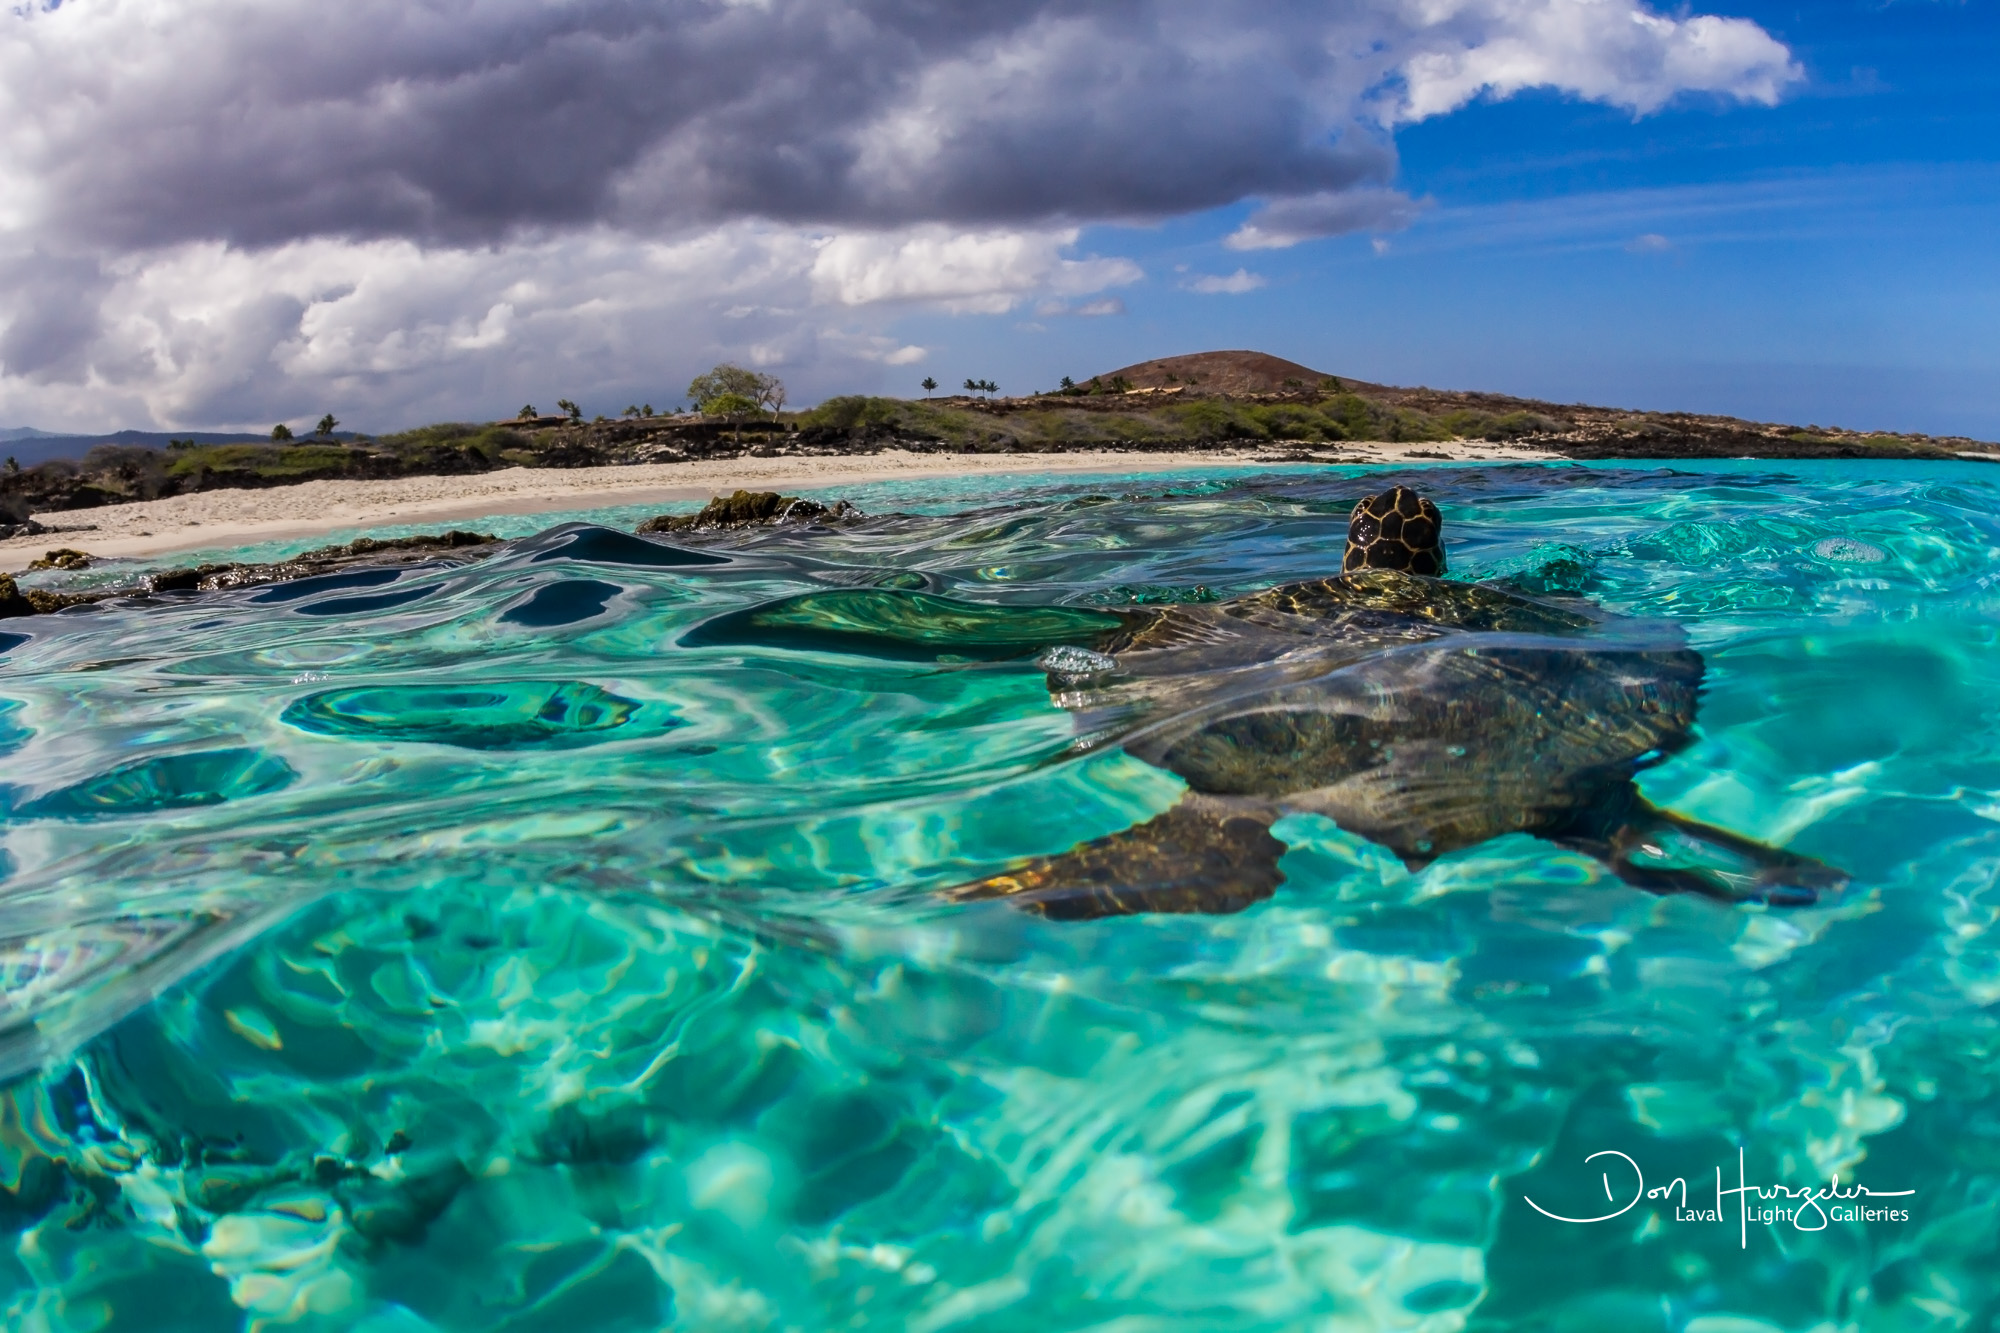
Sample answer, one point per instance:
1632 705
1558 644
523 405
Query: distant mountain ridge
1238 372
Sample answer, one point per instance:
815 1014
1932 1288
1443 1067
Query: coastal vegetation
1219 399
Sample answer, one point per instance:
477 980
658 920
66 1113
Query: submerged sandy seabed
212 519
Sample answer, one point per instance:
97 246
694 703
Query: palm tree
327 424
929 385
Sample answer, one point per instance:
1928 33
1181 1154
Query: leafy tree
565 405
1068 383
527 413
762 391
930 385
327 424
729 405
12 466
1120 384
647 410
631 411
281 431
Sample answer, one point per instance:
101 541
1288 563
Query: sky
220 214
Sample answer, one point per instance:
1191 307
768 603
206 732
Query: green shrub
455 435
1208 419
851 410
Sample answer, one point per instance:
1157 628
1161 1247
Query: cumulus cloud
984 272
507 162
1605 50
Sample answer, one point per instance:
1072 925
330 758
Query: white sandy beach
240 517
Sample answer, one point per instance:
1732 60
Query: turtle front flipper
1663 852
1204 855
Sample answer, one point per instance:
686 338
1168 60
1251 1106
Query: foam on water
551 943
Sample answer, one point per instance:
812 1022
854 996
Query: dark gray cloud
51 313
469 122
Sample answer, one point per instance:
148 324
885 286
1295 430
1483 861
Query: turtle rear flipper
1204 855
1662 852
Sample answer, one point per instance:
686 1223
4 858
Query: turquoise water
465 952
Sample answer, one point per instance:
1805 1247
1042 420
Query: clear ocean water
465 953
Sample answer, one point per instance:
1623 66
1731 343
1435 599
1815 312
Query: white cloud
214 211
1235 284
1652 243
987 273
388 332
1103 306
1611 51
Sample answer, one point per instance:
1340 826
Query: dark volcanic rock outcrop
323 560
747 509
366 551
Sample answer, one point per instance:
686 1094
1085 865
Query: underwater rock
751 509
63 557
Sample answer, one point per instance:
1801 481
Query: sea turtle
1424 715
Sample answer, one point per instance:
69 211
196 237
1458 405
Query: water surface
466 951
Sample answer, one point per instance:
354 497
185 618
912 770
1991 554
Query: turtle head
1397 529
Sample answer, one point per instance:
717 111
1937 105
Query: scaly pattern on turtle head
1397 529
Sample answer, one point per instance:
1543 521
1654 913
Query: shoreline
228 518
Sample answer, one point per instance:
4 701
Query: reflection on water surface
485 950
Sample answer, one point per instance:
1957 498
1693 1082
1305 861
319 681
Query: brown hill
1220 372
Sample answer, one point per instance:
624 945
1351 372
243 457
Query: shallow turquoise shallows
487 949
